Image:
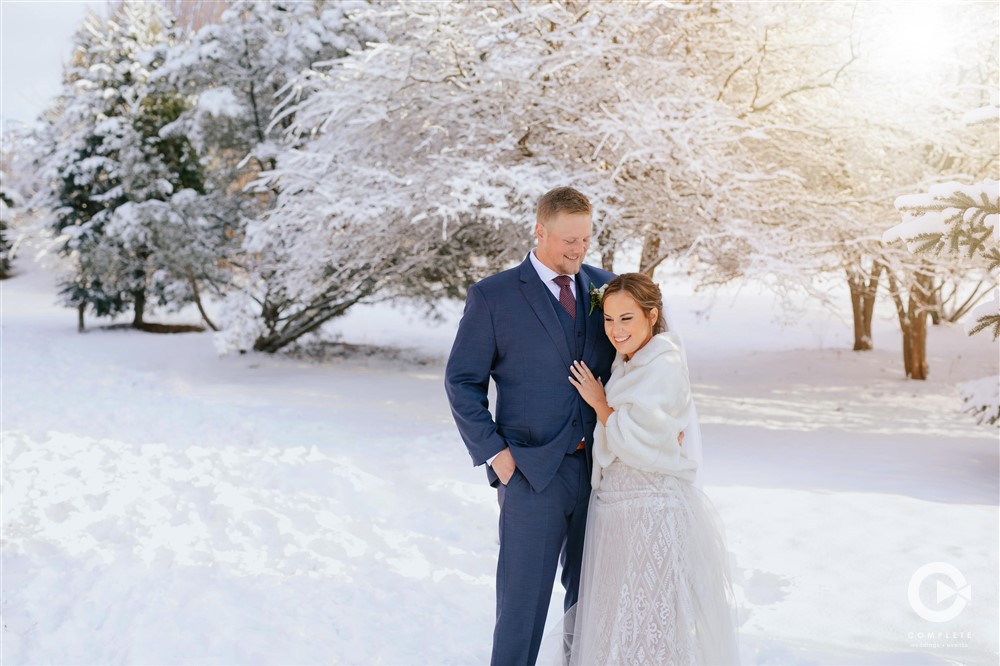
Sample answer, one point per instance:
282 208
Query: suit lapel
540 301
595 321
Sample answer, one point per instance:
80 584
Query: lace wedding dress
655 587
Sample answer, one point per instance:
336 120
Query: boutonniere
596 298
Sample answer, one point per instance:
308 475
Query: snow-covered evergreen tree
9 200
18 185
232 70
124 189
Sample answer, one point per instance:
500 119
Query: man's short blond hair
561 200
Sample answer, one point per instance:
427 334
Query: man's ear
540 230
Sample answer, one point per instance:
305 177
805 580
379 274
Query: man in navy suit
523 328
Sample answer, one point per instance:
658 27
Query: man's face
563 241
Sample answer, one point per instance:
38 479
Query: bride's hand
591 389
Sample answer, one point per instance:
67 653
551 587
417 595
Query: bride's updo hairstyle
644 291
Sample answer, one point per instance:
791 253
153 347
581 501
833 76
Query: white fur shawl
651 396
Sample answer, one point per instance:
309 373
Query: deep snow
163 505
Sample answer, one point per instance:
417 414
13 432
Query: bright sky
35 40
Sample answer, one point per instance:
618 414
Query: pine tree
120 183
17 184
8 201
234 70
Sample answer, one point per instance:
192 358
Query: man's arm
467 379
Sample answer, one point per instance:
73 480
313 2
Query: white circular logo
956 588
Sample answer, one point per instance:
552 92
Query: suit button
574 423
579 334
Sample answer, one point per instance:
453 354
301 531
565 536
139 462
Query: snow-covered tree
231 71
18 185
962 221
441 134
850 134
9 200
235 68
764 68
807 77
404 177
123 187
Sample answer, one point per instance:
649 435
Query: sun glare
910 39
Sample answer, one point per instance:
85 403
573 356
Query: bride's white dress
655 587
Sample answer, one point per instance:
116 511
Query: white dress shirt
547 275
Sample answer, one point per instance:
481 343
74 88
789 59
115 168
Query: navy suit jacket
510 331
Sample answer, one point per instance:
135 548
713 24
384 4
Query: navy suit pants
537 531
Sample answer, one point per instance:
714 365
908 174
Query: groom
523 328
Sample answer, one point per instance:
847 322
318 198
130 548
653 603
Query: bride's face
626 325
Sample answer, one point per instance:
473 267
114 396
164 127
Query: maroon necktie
565 294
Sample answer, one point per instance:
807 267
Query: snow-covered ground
162 505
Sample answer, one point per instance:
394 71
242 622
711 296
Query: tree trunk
650 254
197 301
607 250
863 292
300 324
907 347
854 284
915 346
936 304
920 307
918 347
913 323
79 317
140 307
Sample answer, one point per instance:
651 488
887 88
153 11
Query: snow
162 504
220 102
930 222
924 221
981 115
990 189
982 396
984 309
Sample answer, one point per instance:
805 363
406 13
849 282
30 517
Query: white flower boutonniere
596 298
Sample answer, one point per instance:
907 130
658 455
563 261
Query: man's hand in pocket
504 466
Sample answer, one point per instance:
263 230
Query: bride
655 585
